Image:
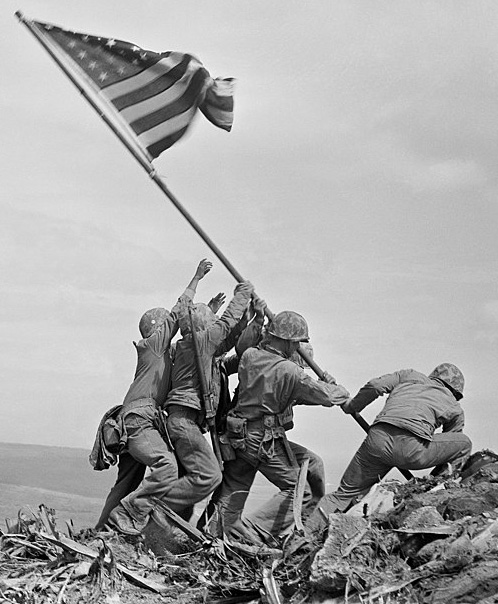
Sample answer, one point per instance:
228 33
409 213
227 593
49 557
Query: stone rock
426 520
331 568
379 500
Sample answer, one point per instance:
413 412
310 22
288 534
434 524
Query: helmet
152 320
451 376
289 325
202 317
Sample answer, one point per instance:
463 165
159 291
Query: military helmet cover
450 375
289 325
152 320
202 317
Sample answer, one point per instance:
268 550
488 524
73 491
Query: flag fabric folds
156 94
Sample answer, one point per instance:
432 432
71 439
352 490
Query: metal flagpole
143 159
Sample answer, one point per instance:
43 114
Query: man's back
153 373
417 403
269 382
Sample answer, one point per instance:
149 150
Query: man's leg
370 464
146 445
130 475
316 470
276 515
413 453
228 501
202 471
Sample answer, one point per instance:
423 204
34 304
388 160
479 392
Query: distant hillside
61 469
83 511
59 477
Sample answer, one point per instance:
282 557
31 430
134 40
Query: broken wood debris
434 540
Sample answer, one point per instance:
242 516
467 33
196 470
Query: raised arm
202 270
372 390
186 298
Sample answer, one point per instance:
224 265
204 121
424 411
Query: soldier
269 383
184 404
403 434
145 446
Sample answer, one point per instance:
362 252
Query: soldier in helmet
269 383
184 403
403 433
145 446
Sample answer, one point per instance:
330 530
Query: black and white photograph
249 302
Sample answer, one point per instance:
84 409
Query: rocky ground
429 540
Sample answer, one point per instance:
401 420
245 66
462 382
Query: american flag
156 94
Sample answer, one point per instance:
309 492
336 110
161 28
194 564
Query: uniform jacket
185 389
416 403
269 383
153 373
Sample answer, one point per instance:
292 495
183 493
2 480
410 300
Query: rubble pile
429 540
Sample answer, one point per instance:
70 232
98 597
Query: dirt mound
430 540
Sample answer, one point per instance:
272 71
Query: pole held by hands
357 417
144 161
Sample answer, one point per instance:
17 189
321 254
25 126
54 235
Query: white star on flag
156 94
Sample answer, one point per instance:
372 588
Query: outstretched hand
203 269
259 306
217 302
244 287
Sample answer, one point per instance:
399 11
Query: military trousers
146 445
386 447
276 515
201 473
130 474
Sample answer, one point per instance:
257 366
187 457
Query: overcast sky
358 187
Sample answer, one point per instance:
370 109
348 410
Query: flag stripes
154 80
148 119
158 139
156 94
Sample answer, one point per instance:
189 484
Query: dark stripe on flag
215 105
165 143
156 101
160 84
186 101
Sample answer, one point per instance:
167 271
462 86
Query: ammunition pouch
236 432
273 430
226 449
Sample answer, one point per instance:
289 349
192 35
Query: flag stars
110 43
121 70
136 48
85 38
71 44
92 65
82 54
103 76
